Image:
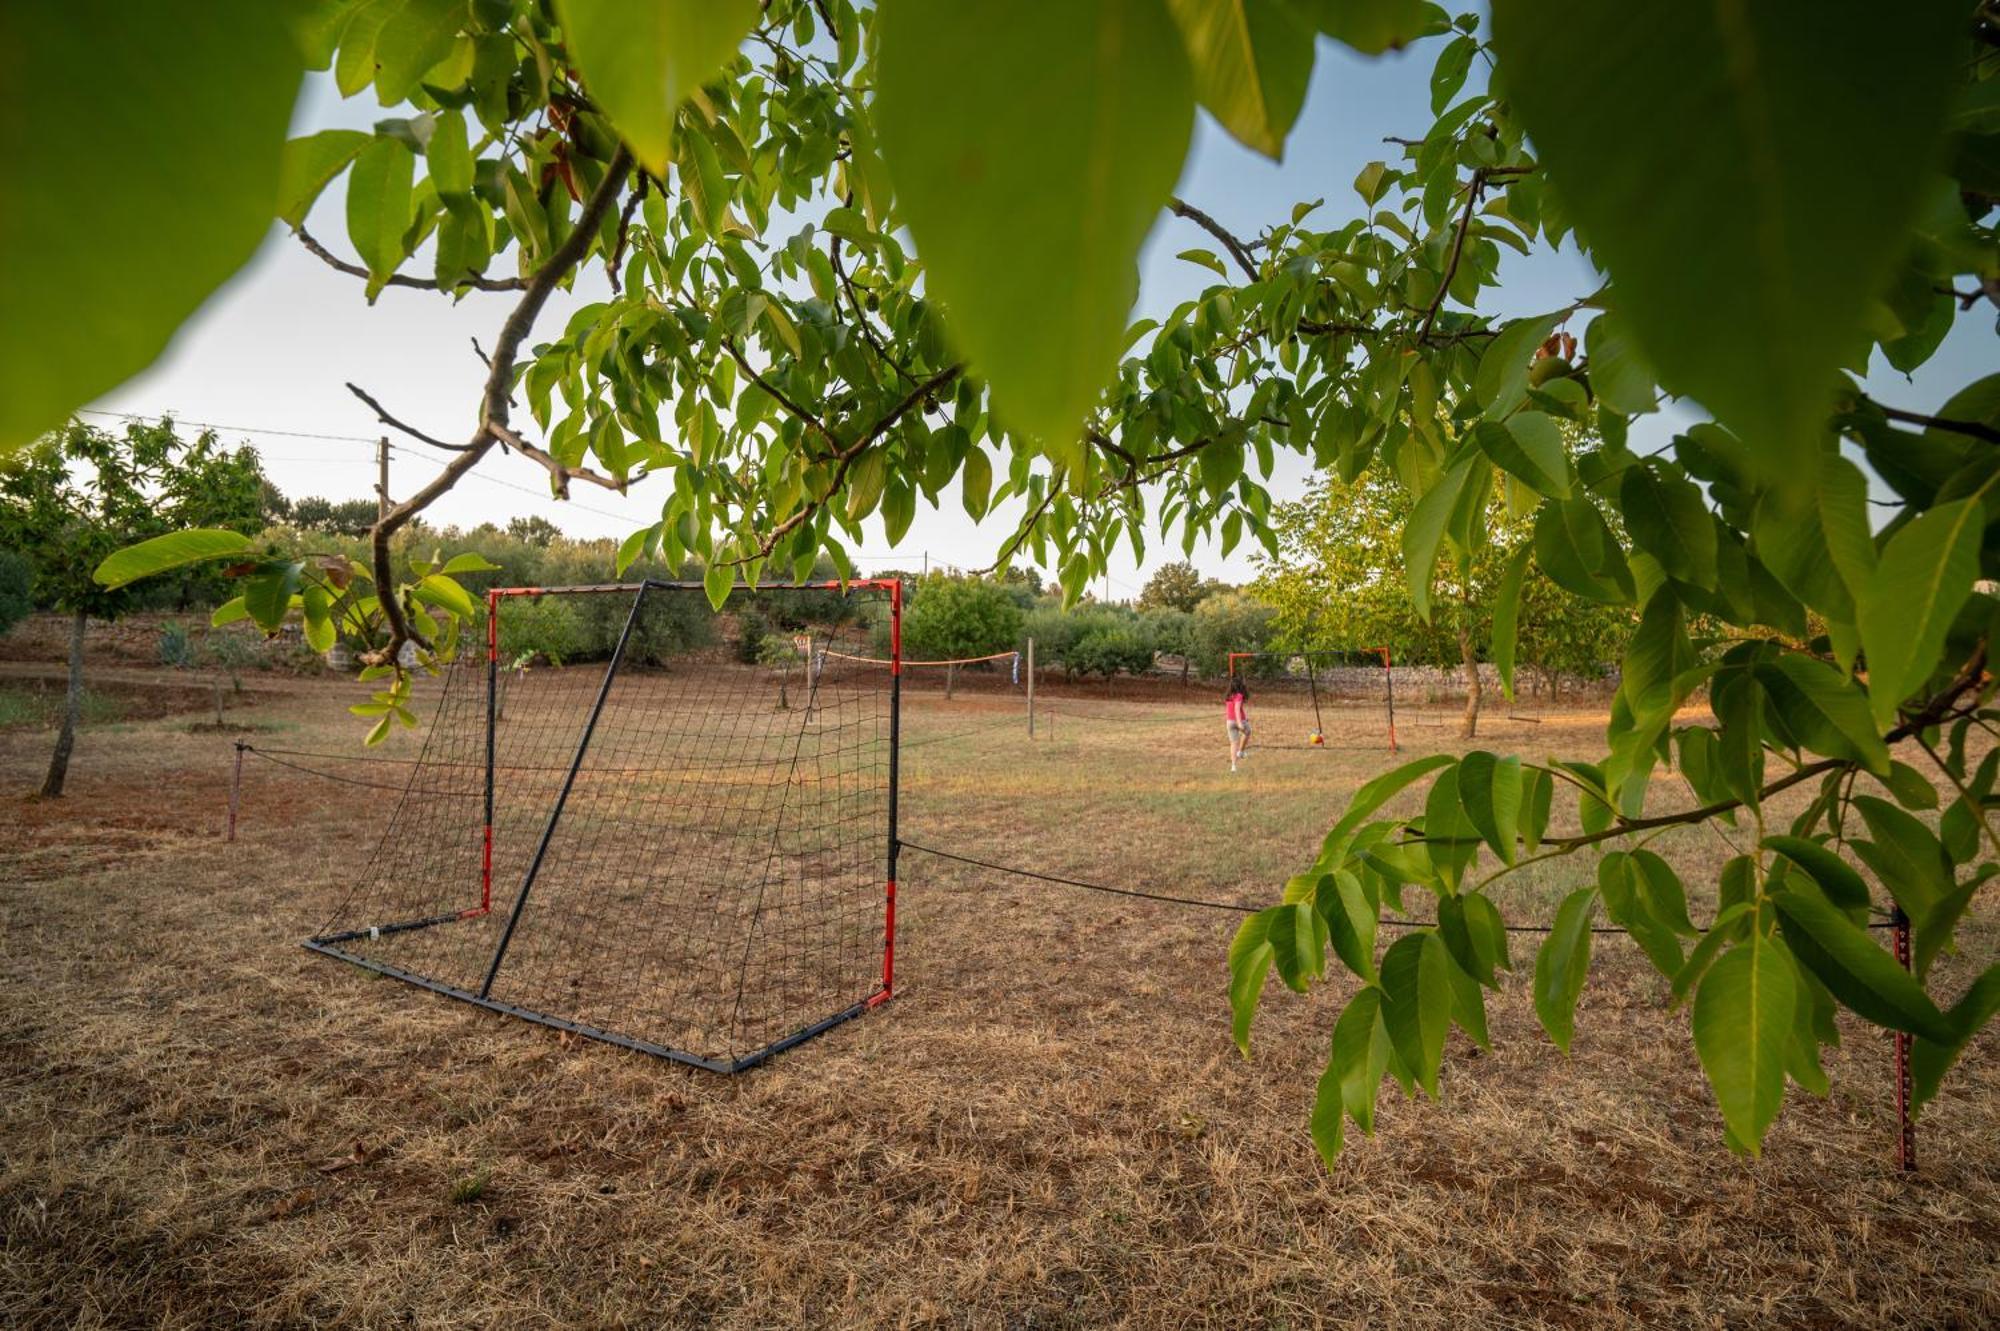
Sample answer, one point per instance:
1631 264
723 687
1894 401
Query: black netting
710 883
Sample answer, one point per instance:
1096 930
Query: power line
228 429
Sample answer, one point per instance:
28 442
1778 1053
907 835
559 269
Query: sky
268 357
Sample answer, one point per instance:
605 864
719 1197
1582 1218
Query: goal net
647 823
1348 696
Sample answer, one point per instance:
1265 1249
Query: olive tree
860 256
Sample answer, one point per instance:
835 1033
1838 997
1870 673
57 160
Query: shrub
1107 646
177 648
955 617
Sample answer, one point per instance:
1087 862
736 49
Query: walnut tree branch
494 399
1237 249
339 264
382 414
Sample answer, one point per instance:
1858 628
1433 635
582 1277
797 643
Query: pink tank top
1232 707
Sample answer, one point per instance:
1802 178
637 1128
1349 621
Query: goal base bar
743 1063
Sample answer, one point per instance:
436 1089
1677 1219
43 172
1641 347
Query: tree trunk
1469 663
52 785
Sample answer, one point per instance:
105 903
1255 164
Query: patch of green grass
470 1188
36 707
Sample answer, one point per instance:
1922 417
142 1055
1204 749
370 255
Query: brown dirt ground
203 1125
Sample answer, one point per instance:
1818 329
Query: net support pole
492 718
1031 688
562 798
235 793
1906 1130
1312 683
895 764
1389 692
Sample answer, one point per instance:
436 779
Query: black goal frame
333 944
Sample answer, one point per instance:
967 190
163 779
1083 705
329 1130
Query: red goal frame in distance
1312 679
355 942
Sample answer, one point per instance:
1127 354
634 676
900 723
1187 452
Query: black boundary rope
1233 907
1230 906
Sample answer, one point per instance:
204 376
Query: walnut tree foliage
862 257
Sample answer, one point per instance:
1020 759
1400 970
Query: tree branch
1974 429
861 318
1237 249
494 403
845 458
562 472
1473 189
339 264
382 414
777 394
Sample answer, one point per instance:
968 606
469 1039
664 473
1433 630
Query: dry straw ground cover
201 1124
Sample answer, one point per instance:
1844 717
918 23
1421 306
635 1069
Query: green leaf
1448 75
1299 940
1864 977
1744 293
1925 574
267 595
470 562
641 61
1250 960
415 36
632 547
975 480
717 582
1252 60
229 612
1065 182
1416 1003
1369 26
143 147
1910 787
1704 953
378 206
308 165
1361 1054
1372 796
1743 1016
1826 711
1621 882
1424 533
1618 370
1507 617
318 622
1836 878
1501 382
1575 547
1468 1004
1351 920
1931 1059
445 593
449 155
1562 964
1905 855
1529 446
1665 514
173 550
1489 789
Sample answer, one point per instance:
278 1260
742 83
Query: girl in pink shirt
1236 720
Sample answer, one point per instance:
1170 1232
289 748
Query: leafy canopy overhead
860 256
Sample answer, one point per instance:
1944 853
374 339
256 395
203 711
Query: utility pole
382 478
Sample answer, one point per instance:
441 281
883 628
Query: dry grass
201 1124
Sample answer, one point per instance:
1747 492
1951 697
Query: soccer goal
685 846
1354 688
